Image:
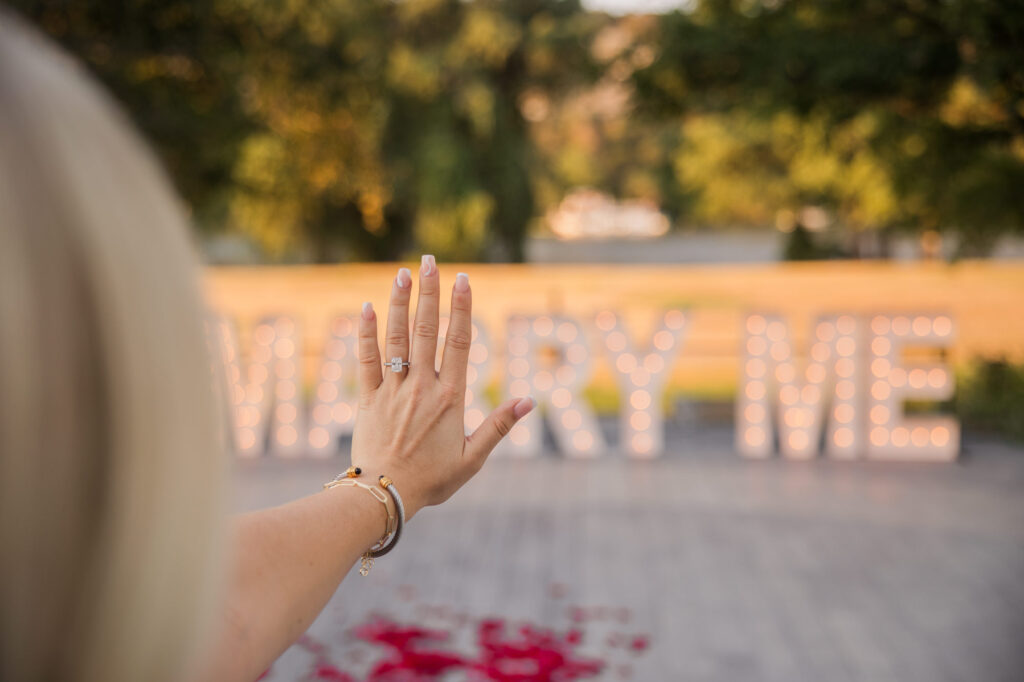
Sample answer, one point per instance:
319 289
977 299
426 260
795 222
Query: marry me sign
843 396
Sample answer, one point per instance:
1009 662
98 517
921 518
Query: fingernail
427 265
404 278
367 311
524 406
462 282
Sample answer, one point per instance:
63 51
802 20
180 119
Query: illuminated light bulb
843 437
845 367
543 326
565 375
625 363
816 373
284 348
237 395
641 421
246 439
846 324
342 327
474 418
254 394
263 334
642 443
780 351
900 436
756 368
319 437
478 353
940 435
469 396
756 345
330 371
825 332
664 340
754 412
810 394
898 377
785 373
543 381
327 392
519 388
605 320
879 436
776 331
258 374
794 417
900 326
942 326
846 346
342 412
471 375
566 332
518 326
922 326
799 440
936 378
880 346
285 390
917 378
576 353
820 352
674 319
880 325
640 400
286 413
880 390
561 397
653 363
880 414
880 367
640 376
756 324
287 435
518 346
519 367
919 436
755 390
572 419
616 341
754 436
788 395
844 414
583 440
322 414
845 389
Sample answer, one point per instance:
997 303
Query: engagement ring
397 364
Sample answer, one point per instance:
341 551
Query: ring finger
396 342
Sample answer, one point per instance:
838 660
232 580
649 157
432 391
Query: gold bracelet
347 478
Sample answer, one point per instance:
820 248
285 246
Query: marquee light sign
849 392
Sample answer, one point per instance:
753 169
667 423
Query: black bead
358 471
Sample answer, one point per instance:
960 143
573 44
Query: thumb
497 425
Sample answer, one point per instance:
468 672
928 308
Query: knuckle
426 330
397 338
502 426
369 359
458 340
450 395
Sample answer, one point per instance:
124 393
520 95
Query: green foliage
890 113
990 398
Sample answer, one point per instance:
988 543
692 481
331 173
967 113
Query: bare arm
287 561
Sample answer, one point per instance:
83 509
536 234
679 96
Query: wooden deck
731 570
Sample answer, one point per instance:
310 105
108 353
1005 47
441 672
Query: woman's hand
410 424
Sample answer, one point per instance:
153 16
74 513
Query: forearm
286 563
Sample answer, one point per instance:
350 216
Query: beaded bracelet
395 522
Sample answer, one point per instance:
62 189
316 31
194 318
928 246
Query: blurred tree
892 113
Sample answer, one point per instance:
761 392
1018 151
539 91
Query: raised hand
410 424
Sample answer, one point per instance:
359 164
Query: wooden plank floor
732 570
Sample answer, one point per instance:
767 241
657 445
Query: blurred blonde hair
111 474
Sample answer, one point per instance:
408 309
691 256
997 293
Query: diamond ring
397 364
